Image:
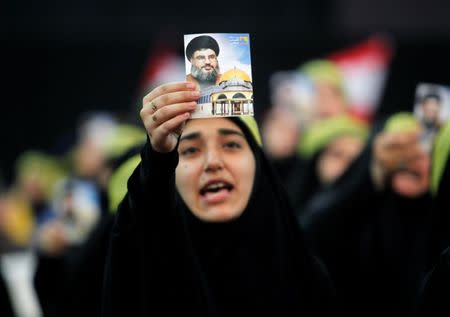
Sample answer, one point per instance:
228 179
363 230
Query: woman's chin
408 185
218 214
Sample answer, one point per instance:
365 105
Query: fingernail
190 85
196 93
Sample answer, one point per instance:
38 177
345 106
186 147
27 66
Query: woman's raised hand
165 111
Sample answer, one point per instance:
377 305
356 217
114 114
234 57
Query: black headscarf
373 243
434 299
440 186
392 253
165 261
441 213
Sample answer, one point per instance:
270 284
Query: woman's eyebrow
190 136
230 132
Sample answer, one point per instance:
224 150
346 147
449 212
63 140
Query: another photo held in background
432 108
294 93
220 66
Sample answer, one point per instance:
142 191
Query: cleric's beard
205 77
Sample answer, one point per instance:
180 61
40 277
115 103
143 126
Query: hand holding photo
220 66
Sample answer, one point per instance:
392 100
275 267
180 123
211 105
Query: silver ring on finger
153 106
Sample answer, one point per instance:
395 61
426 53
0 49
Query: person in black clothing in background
435 294
372 227
327 149
205 228
86 268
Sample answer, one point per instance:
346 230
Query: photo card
432 108
220 65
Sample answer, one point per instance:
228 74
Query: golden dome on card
235 72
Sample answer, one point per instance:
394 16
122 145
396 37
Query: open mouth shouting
216 191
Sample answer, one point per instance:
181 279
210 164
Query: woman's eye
233 145
189 151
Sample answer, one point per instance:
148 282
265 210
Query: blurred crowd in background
367 193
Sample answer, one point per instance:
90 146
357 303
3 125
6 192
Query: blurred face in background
329 101
336 158
89 159
280 132
93 133
431 108
413 181
216 169
31 185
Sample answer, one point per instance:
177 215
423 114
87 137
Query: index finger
168 88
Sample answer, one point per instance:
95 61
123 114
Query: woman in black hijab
327 148
435 295
205 229
374 239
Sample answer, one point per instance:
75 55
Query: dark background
62 58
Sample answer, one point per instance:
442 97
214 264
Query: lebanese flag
364 68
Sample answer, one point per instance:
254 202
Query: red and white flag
364 68
163 66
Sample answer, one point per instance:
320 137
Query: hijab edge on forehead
250 129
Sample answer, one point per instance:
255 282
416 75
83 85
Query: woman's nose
214 161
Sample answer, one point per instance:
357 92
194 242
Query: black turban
202 42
